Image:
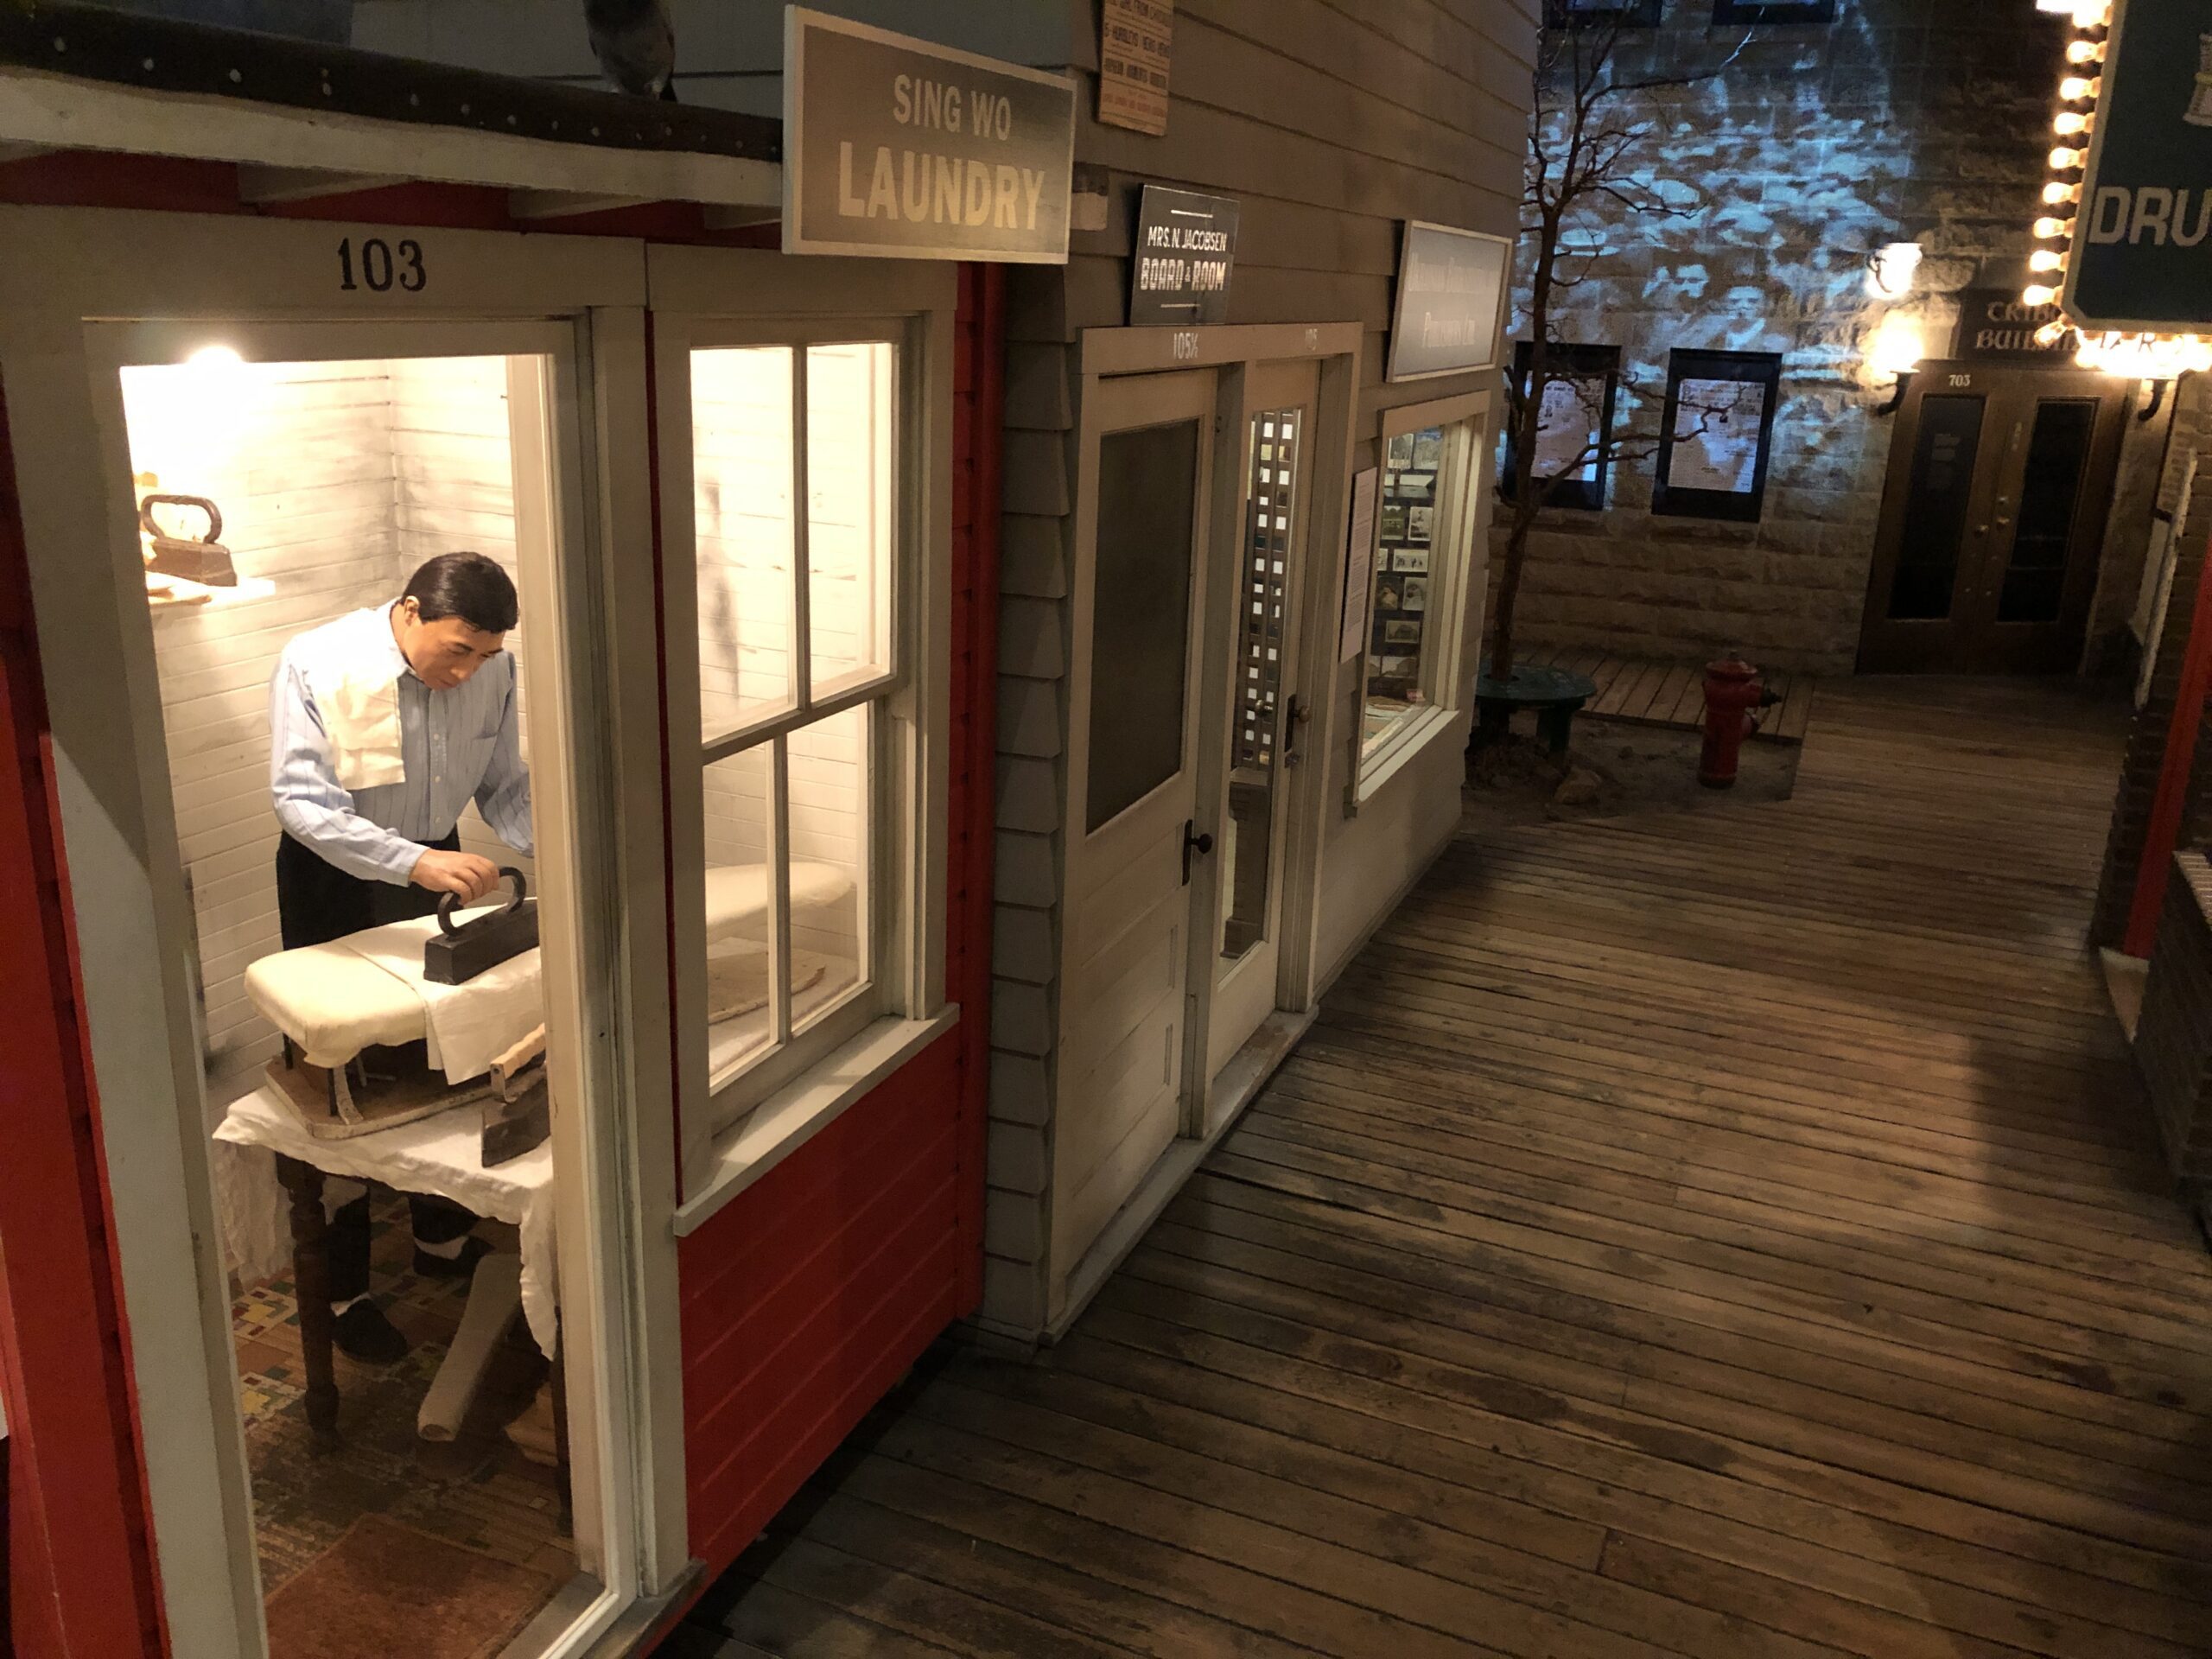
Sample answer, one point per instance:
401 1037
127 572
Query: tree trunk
1527 422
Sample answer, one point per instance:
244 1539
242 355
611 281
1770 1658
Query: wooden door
1999 483
1132 769
1255 743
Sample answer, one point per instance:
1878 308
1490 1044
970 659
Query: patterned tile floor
479 1491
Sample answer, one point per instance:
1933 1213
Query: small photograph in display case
1427 449
1402 451
1389 596
1399 667
1394 522
1414 559
1401 634
1419 486
1421 522
1414 593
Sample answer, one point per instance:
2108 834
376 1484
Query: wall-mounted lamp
1891 269
1896 348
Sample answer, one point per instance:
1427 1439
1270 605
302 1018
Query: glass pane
1398 666
852 499
1255 726
741 483
1941 491
740 911
1141 620
832 777
2058 457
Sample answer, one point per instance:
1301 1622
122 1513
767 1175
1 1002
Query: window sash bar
779 726
780 906
802 654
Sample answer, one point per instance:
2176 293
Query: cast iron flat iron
206 560
519 1117
457 954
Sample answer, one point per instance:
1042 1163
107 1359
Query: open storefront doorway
299 1078
402 1426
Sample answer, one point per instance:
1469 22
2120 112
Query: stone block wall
1794 152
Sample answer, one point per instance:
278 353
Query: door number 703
376 265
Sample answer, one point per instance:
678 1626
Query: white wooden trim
1399 418
69 112
705 299
1153 350
791 1116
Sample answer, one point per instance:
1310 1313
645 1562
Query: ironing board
332 1003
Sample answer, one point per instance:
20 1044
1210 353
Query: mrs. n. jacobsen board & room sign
903 149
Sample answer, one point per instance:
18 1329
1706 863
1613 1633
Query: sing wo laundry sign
901 149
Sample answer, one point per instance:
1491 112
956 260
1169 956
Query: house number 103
377 266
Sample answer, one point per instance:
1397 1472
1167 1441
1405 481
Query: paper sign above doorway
1134 38
904 150
1451 302
1184 255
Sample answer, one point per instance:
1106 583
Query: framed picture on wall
1716 435
1574 433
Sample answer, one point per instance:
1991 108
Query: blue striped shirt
457 746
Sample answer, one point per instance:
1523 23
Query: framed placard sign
1186 254
903 149
1452 292
1716 434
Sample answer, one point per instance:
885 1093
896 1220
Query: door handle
1193 842
1299 713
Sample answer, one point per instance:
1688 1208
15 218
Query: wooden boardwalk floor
1718 1235
1648 693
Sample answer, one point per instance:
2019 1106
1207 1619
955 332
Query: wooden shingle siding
1332 123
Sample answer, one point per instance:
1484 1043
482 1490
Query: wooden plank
1730 1232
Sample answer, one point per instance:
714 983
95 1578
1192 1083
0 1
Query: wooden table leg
561 1432
311 1286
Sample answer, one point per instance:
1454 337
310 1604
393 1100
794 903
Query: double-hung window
802 861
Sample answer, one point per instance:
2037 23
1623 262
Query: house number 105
378 267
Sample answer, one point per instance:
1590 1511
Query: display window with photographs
1427 519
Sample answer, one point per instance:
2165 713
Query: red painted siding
807 1297
81 1577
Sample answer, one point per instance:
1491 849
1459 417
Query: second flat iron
456 955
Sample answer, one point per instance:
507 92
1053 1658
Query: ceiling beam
568 204
263 185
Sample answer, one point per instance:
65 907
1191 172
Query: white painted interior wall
335 480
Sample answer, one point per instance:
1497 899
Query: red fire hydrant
1732 692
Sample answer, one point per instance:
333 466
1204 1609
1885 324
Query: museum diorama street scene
1048 828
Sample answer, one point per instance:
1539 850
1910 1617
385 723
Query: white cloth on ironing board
469 1026
441 1155
332 1003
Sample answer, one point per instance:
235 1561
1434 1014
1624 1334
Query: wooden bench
1556 694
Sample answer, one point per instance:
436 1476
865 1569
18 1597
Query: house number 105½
376 266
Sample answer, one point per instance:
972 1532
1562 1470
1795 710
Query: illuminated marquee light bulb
2058 194
2070 124
2049 230
2044 259
2086 52
2074 88
2050 333
2038 294
2064 160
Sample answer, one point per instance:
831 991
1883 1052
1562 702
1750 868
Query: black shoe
456 1266
363 1332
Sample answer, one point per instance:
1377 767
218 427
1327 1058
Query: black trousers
317 902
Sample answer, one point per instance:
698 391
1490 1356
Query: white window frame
1457 588
735 1131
